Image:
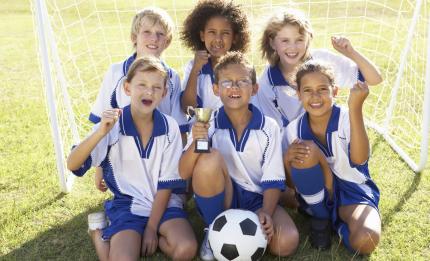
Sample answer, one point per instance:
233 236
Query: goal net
78 40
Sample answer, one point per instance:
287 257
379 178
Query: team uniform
205 95
112 95
276 98
352 183
254 162
134 173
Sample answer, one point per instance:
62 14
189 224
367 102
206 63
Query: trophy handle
190 108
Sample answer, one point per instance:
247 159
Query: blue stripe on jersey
176 184
273 184
110 180
276 77
127 63
84 168
305 131
94 118
207 69
223 122
184 128
360 76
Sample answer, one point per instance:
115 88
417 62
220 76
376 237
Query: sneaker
320 233
97 220
205 250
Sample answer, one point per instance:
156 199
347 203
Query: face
316 94
146 90
235 87
290 45
218 36
151 39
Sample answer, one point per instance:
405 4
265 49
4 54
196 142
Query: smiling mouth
316 105
234 96
292 55
152 47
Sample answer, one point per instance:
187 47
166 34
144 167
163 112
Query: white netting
90 35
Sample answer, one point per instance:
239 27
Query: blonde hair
146 64
275 24
155 15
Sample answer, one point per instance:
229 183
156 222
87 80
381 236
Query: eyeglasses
228 84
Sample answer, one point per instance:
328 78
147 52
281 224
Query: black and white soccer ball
236 234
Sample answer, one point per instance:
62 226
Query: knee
185 250
123 256
208 164
365 240
311 160
284 242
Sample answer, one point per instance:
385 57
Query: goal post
78 40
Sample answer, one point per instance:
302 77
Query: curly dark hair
207 9
312 66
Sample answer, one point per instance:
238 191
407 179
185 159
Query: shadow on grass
388 217
68 241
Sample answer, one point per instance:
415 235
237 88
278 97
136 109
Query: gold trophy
202 115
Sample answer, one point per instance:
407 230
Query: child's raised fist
357 95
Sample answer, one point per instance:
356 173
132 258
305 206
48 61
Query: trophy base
202 146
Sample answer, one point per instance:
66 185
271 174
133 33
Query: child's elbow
377 79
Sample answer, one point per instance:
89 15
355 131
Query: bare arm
359 145
81 152
189 157
189 97
371 74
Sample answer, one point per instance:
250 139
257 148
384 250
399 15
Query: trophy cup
202 115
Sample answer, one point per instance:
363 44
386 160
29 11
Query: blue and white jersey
205 80
276 97
112 94
338 137
133 172
255 161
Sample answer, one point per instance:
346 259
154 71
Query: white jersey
205 80
133 172
338 138
255 161
278 100
112 94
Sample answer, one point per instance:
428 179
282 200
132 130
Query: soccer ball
236 234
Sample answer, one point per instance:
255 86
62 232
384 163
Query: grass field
37 222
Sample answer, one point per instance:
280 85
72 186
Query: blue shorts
244 199
121 219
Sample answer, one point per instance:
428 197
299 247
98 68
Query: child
244 168
138 148
286 45
327 162
151 34
210 30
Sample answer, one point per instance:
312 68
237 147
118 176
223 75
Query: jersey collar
223 122
128 128
207 70
275 76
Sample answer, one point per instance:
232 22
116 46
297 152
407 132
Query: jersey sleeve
187 72
103 97
346 71
98 154
169 173
273 166
177 113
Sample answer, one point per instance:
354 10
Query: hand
200 130
109 118
200 58
342 45
357 95
298 151
150 241
99 181
266 224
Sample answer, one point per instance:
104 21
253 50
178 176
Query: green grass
37 222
